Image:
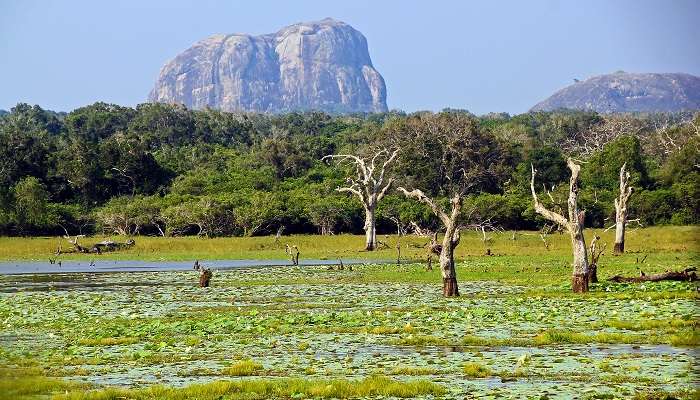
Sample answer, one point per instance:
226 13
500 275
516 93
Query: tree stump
205 277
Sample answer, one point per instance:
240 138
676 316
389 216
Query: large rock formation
322 65
628 92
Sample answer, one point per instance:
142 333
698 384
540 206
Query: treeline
164 170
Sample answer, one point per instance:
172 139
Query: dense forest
165 170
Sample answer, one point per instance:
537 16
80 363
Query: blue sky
478 55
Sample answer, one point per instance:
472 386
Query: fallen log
110 245
98 248
687 274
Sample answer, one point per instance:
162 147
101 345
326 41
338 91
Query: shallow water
329 326
97 265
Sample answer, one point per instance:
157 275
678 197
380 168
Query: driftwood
97 248
110 245
687 274
205 274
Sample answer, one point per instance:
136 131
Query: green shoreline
676 239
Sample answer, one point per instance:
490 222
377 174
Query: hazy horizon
480 56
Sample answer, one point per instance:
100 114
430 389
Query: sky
483 56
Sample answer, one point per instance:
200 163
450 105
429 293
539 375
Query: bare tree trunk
449 242
447 263
595 256
621 211
579 279
370 229
619 236
574 225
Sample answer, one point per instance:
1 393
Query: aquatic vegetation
120 333
420 340
243 368
414 371
108 341
476 370
266 389
27 383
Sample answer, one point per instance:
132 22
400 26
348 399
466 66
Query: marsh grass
29 383
414 371
108 341
419 340
683 337
243 368
476 370
267 389
648 240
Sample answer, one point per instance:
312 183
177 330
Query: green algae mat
378 331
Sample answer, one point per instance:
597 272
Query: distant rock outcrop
628 92
322 65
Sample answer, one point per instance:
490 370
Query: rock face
322 65
628 92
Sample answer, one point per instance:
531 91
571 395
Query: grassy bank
673 239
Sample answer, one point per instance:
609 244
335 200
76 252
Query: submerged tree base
579 283
449 287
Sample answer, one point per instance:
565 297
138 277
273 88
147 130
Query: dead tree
544 233
399 234
76 246
449 241
591 140
418 231
687 274
369 186
278 235
621 210
293 253
484 226
595 255
574 225
205 274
